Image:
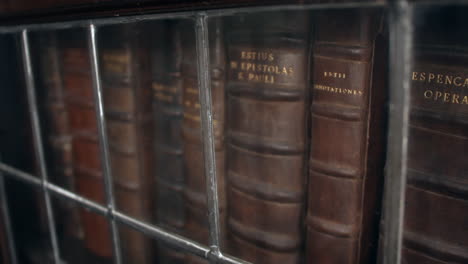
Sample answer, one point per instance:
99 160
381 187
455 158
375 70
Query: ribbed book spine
266 105
168 115
126 83
347 137
436 206
80 106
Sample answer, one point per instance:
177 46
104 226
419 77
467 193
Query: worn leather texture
347 137
126 82
267 135
167 95
436 206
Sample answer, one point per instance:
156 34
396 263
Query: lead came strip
178 241
395 177
7 221
103 142
37 138
202 41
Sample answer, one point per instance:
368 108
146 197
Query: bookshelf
23 22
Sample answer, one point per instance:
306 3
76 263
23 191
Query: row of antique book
300 111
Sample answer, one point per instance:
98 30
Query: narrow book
347 136
266 106
87 167
168 115
58 140
126 84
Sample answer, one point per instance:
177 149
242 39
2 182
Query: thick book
267 98
87 167
126 83
166 60
196 225
58 142
436 205
58 135
347 136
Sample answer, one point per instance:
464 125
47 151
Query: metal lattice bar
204 79
150 230
103 141
7 221
188 14
401 43
37 140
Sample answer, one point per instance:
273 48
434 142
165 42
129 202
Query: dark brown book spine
436 206
266 129
78 87
196 226
347 139
126 82
58 133
167 92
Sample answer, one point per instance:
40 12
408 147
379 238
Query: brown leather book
167 91
267 135
126 83
347 136
436 212
58 142
196 226
79 101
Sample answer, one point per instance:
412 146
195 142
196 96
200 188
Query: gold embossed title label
116 61
440 87
264 66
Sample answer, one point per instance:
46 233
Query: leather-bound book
196 226
347 136
167 95
436 205
267 95
126 83
87 170
58 141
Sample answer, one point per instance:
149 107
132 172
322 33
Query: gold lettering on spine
116 61
451 85
259 67
337 90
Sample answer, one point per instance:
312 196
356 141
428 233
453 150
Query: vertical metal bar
29 77
203 69
401 39
103 142
7 221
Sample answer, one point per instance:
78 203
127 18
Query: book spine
436 205
196 226
127 105
78 91
59 136
167 96
346 158
266 135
